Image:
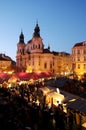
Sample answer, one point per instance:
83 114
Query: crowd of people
19 110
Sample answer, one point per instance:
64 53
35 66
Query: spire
36 30
37 21
48 47
21 37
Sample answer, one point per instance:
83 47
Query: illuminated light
57 97
84 125
64 108
9 85
5 85
10 72
37 102
81 73
58 91
20 82
13 79
72 100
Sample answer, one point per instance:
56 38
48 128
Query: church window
36 46
50 65
45 65
39 46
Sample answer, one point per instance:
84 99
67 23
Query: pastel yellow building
79 58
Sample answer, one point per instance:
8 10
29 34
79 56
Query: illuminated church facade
33 57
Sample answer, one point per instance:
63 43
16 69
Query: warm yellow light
57 97
10 72
84 125
72 100
37 102
58 91
9 85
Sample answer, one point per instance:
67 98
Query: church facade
33 57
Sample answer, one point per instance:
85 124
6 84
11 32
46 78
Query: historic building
79 58
6 64
33 57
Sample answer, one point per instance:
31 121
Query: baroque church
33 57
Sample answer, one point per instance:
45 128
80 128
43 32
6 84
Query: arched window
33 46
45 65
39 46
50 65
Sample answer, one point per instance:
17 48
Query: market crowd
19 110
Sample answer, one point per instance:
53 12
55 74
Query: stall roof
78 105
74 102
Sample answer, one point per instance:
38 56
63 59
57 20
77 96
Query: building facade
7 65
33 57
79 58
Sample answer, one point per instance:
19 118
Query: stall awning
78 105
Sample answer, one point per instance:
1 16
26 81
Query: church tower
21 44
20 50
36 31
36 44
